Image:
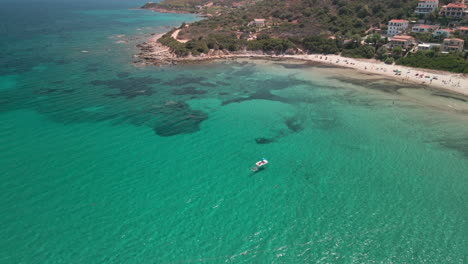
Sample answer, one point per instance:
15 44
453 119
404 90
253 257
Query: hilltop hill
291 18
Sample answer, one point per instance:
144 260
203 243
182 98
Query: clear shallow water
103 162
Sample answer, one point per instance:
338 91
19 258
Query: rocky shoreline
170 11
154 53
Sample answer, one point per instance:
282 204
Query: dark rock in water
174 118
297 65
294 124
92 69
264 140
458 144
188 91
450 96
382 84
264 88
123 74
207 84
262 94
61 62
54 90
182 80
168 107
245 71
130 93
180 123
281 83
130 87
46 91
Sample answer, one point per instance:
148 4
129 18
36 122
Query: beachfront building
455 10
402 41
429 46
442 32
397 26
423 28
258 22
453 45
463 31
426 6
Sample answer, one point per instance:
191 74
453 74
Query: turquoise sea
105 162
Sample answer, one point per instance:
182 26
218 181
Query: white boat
259 164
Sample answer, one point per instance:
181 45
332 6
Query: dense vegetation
227 42
292 17
434 60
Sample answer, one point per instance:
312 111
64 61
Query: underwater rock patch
378 84
188 91
182 122
450 96
174 118
183 80
258 95
207 84
297 65
61 62
460 145
129 87
294 124
263 140
46 91
123 74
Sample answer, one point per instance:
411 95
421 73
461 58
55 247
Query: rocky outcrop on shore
156 7
154 53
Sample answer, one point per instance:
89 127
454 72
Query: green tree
397 52
373 39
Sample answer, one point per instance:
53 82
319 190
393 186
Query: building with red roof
453 45
397 26
463 31
423 28
403 41
455 10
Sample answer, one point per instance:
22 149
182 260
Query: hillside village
419 33
411 34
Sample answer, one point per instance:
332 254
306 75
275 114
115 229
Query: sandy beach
454 82
153 53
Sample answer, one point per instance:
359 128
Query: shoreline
154 53
171 11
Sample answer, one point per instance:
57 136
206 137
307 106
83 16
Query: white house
426 6
397 26
423 28
259 22
428 46
442 32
